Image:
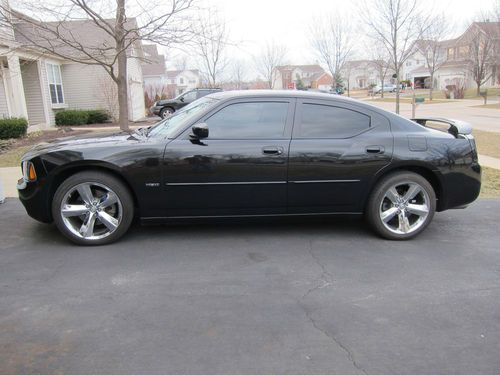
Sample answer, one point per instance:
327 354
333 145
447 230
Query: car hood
94 139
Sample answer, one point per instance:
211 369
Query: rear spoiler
456 127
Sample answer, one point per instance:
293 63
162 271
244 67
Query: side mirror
200 131
181 99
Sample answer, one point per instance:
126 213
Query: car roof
276 94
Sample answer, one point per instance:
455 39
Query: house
180 81
36 84
361 74
154 71
307 76
457 58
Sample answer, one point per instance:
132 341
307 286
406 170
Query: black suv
166 107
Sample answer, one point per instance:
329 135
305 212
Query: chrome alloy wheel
404 208
91 211
167 112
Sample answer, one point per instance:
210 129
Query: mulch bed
38 137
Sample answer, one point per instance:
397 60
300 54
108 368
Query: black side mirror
181 99
200 131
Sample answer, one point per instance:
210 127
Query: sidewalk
10 175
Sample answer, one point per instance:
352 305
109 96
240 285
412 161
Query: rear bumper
460 187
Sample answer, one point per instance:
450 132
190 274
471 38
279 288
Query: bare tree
481 54
332 39
210 44
181 63
430 46
238 73
381 61
395 24
154 92
271 56
166 22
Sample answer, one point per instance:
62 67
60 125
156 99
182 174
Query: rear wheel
401 206
92 208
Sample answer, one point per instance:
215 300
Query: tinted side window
190 96
324 121
249 121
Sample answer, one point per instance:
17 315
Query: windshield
170 125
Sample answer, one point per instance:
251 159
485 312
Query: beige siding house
36 85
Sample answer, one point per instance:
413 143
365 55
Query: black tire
378 199
165 112
125 206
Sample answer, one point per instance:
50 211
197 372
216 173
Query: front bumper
35 199
155 110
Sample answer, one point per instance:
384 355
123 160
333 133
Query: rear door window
328 121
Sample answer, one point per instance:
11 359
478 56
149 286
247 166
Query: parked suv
166 107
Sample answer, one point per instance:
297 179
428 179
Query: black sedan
255 153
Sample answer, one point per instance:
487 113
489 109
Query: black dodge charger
255 154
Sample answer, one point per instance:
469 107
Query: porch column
16 89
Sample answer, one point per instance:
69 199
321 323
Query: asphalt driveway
301 297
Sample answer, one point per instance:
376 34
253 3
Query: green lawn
490 187
488 143
492 106
406 99
12 158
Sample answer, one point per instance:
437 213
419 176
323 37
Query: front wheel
401 206
166 112
92 208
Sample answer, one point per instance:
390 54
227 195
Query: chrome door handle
272 150
375 149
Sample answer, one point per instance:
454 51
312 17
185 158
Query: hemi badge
152 184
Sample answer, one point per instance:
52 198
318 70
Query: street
277 297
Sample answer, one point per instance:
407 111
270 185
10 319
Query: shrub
97 116
71 117
13 127
81 117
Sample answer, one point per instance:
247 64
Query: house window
181 81
463 51
55 83
450 53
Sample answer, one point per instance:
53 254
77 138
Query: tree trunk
122 86
121 81
432 87
397 91
478 91
382 92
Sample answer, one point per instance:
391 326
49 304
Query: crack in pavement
327 279
325 276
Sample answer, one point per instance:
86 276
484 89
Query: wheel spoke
87 228
388 214
393 195
413 190
109 221
70 210
85 193
418 209
109 199
404 224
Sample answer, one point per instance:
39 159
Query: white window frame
54 77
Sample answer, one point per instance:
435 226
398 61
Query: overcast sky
254 22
